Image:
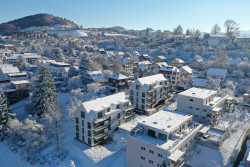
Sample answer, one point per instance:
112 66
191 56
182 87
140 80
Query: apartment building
164 139
95 120
147 92
204 104
172 74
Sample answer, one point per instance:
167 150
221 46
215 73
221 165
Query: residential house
160 59
186 71
172 74
164 139
144 57
94 76
218 74
97 119
148 92
177 62
127 64
117 82
204 104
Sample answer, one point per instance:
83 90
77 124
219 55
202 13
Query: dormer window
117 106
108 109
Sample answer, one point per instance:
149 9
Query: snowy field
110 154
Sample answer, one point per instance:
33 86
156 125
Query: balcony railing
101 135
98 128
128 116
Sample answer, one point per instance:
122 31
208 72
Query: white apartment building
203 104
145 93
163 139
95 120
172 73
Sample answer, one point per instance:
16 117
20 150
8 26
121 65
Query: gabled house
148 92
217 73
186 71
97 119
117 82
177 62
144 57
160 59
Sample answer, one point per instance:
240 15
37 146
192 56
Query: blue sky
135 14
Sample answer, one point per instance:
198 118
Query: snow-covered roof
20 82
234 62
202 82
170 68
9 69
151 79
118 76
162 64
144 63
179 60
216 72
145 55
162 57
187 69
198 93
165 120
96 75
93 106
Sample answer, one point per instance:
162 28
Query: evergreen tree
43 91
210 84
57 55
4 113
84 65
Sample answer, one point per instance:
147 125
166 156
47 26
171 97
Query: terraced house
97 119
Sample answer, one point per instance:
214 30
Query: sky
135 14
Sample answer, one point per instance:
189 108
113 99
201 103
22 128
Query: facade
147 92
172 74
117 82
164 139
127 63
186 71
203 104
95 120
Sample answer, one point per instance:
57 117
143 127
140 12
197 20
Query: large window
77 120
99 114
162 137
77 128
131 92
89 133
89 125
108 109
143 94
137 87
143 100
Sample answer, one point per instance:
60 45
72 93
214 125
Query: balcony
150 95
98 120
98 128
121 83
128 116
99 136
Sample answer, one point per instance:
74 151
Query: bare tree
216 29
232 28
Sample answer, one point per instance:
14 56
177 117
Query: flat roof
165 120
198 93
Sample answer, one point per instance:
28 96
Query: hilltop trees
232 28
216 29
178 30
43 91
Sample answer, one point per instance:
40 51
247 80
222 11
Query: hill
37 20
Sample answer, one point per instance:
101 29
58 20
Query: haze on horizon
139 14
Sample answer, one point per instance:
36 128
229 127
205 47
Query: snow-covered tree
72 72
77 97
216 29
74 82
221 59
232 28
210 84
93 87
43 89
24 65
4 113
84 65
178 30
57 55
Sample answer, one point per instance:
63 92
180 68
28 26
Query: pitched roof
93 106
216 72
9 69
118 76
187 69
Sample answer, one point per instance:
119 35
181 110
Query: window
137 87
191 100
137 99
118 115
82 114
150 161
137 93
161 90
143 94
82 137
77 120
137 105
204 110
99 114
82 130
131 92
190 107
143 107
162 136
89 141
151 152
143 158
197 109
89 133
82 122
108 109
131 98
89 125
77 135
143 148
77 128
117 106
159 165
143 100
159 155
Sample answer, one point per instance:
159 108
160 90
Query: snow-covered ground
206 157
